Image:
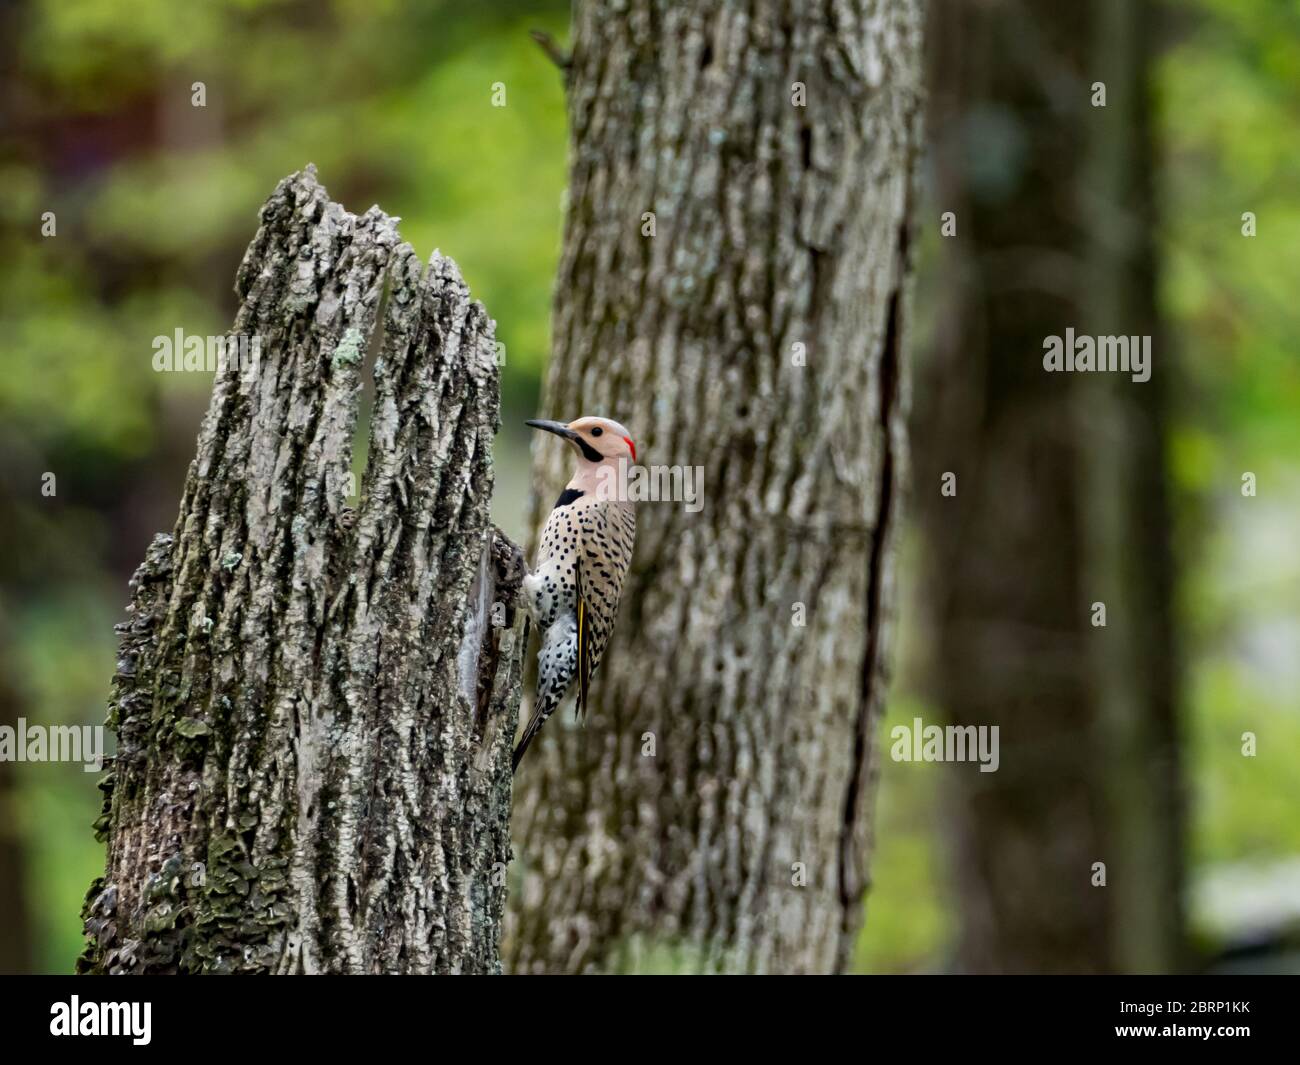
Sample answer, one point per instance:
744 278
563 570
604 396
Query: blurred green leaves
1229 109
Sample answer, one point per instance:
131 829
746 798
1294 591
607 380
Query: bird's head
594 439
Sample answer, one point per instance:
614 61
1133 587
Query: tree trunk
1061 493
313 708
1135 659
714 812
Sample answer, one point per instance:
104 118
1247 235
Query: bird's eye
597 431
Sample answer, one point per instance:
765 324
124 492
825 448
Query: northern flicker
572 593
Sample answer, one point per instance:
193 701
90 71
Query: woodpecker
572 594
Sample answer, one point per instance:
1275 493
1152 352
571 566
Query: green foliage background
155 201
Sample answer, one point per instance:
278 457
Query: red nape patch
628 440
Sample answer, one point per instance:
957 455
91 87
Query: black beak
558 428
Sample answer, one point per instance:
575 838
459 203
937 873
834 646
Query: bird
573 592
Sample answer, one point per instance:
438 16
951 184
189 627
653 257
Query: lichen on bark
305 781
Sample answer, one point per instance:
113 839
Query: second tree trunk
731 288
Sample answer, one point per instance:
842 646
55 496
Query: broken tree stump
314 703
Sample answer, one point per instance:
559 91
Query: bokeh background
155 199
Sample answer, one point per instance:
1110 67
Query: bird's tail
535 724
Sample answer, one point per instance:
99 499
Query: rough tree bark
1061 498
313 710
756 334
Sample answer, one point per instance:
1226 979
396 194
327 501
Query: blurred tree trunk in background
731 287
313 710
1061 499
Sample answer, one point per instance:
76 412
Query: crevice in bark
851 885
854 862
